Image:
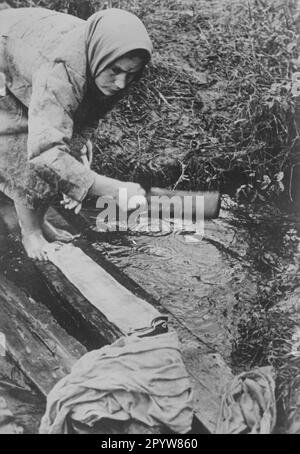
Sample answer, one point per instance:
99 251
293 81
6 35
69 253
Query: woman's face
119 74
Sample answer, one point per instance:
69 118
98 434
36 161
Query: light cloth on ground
139 379
249 405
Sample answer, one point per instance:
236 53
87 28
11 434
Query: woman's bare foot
33 239
35 245
37 233
52 233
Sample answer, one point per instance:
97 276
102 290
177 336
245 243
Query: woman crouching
61 75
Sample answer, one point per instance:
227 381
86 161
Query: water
205 281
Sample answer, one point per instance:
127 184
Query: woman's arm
56 95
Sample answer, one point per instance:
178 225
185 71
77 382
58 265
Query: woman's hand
129 197
70 204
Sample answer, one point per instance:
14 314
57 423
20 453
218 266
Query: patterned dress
48 108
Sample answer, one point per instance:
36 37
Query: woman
61 75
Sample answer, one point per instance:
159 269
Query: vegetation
217 105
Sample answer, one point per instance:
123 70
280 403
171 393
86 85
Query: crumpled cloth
249 404
141 379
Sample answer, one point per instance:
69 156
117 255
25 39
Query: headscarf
112 33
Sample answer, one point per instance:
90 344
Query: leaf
266 182
279 176
261 197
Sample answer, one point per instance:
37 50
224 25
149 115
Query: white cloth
141 379
249 404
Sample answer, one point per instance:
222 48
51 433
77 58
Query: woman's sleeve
56 95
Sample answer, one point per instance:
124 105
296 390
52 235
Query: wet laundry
141 379
249 405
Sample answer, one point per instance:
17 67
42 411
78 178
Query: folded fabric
249 405
139 379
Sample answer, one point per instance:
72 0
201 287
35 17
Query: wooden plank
34 341
94 327
120 306
44 354
25 407
45 283
208 371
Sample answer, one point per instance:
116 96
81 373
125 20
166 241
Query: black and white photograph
149 219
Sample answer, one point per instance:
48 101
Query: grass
218 98
216 108
265 327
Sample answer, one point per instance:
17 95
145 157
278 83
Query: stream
210 283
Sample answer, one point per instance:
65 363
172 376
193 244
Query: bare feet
37 232
52 233
34 242
35 245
